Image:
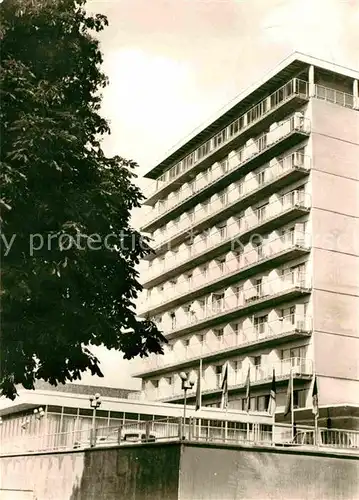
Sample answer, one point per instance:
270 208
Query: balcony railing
232 233
296 123
290 240
294 87
236 195
218 305
201 430
253 335
299 367
334 96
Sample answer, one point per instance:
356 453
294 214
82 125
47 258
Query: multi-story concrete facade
255 227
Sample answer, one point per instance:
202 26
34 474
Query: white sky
174 63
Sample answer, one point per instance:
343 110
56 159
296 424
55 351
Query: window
223 197
260 324
257 361
219 138
176 222
160 288
168 380
189 277
237 253
288 315
219 333
205 206
221 261
173 283
219 369
258 286
261 403
221 228
204 270
186 342
258 247
240 188
201 338
190 215
203 150
262 142
288 235
238 292
236 126
299 398
189 161
261 212
149 292
237 366
192 187
155 383
173 320
239 153
295 354
261 177
224 165
217 301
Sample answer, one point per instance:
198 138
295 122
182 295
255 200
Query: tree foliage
64 286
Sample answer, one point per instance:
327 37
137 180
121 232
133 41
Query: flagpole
291 401
200 408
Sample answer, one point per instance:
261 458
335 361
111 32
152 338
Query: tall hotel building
255 227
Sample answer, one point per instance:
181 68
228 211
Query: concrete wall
335 256
143 473
188 472
229 474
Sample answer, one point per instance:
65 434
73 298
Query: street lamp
186 384
39 413
95 402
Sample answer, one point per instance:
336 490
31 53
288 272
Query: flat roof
287 69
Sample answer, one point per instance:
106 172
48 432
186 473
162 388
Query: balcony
273 108
289 246
233 236
240 303
273 333
334 96
286 171
301 368
266 147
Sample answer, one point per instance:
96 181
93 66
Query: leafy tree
68 250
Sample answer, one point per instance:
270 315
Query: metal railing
215 306
234 265
192 430
295 123
242 338
233 232
255 114
231 197
334 96
298 366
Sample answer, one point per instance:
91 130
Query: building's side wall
212 473
141 473
169 472
335 224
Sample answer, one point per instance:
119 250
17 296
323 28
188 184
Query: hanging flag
248 390
272 397
199 390
315 397
288 405
224 399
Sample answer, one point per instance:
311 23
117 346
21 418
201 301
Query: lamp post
186 384
95 402
39 414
